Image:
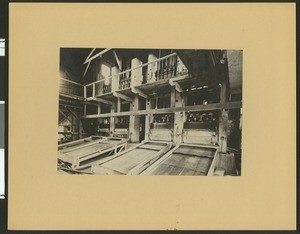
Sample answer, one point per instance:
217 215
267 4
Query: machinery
201 128
162 127
122 127
103 127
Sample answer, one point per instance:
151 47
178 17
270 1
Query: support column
148 120
134 121
223 119
115 79
179 117
112 119
99 108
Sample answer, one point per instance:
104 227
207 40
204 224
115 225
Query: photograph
128 111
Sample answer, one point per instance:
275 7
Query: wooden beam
87 67
134 121
177 86
99 108
117 60
139 92
76 117
73 82
62 105
178 78
96 55
214 106
90 54
64 115
102 100
119 105
71 96
122 96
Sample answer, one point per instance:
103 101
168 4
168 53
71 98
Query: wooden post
84 91
173 97
223 119
147 120
134 121
115 79
118 105
99 108
152 68
179 117
136 74
112 119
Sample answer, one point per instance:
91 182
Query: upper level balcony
156 72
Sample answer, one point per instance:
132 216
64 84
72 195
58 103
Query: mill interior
150 112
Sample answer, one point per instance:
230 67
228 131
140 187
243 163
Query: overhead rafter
87 67
96 55
90 54
117 60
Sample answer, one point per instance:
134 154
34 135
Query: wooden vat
82 153
133 160
186 159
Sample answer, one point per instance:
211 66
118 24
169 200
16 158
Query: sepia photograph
171 95
150 112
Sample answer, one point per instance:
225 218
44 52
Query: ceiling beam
97 55
90 54
117 60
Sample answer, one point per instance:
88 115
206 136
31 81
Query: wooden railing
158 69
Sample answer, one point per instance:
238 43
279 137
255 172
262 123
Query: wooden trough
133 160
82 153
186 159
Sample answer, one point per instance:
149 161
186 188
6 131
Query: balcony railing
159 69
